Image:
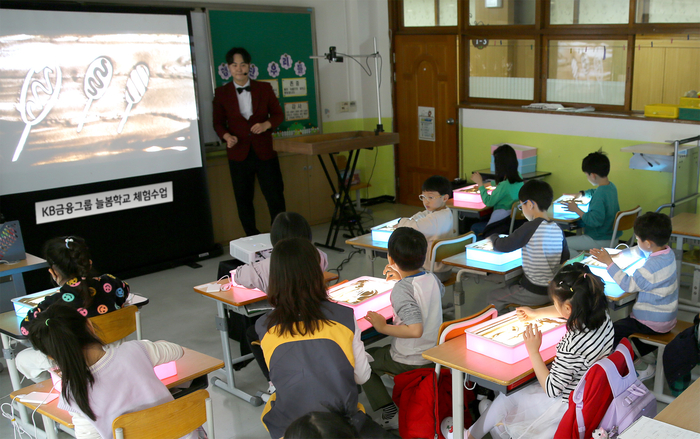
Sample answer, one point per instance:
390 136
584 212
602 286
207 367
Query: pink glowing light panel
502 338
165 370
469 196
363 294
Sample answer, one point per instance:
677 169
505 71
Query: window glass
668 11
589 11
502 69
501 12
588 72
665 68
423 13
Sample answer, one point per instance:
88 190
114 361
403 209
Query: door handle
450 121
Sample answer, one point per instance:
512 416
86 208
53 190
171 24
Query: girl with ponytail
70 267
94 389
535 411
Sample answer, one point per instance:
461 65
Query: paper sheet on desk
647 428
213 288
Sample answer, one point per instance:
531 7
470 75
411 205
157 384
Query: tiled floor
177 314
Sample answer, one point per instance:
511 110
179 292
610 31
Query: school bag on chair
630 398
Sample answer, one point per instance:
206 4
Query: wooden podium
353 142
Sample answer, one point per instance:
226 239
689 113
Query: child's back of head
289 225
537 191
437 183
407 247
655 227
584 292
506 163
596 163
69 257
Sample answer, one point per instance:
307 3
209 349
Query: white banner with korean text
103 202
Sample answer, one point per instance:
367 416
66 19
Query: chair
118 324
624 220
171 420
342 163
660 341
515 215
597 397
444 248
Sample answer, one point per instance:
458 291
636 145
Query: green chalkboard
269 36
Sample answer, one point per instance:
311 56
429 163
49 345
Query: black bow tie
242 89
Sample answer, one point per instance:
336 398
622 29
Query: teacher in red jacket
245 112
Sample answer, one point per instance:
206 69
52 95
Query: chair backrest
455 328
173 419
515 214
624 220
444 248
116 325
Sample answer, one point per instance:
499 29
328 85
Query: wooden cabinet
306 191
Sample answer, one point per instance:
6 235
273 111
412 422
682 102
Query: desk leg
457 404
230 384
49 427
9 355
692 305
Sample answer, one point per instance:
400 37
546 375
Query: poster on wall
426 123
275 86
296 110
294 87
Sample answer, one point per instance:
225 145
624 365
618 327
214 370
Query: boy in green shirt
600 218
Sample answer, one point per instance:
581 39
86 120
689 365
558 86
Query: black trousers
251 336
243 178
628 326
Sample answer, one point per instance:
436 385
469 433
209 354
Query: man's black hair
240 51
655 227
437 183
596 163
407 247
537 191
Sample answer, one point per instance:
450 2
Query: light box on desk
627 263
382 232
559 206
363 294
482 251
469 196
502 338
23 304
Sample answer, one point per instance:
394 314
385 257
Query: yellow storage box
690 102
667 111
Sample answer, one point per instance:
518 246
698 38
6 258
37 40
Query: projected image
88 97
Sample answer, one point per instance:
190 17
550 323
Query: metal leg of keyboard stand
230 384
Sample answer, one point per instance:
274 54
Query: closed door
426 81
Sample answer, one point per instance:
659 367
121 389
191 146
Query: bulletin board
280 44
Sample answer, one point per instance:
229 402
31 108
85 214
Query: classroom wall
350 25
563 140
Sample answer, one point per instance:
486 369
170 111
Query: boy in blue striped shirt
656 307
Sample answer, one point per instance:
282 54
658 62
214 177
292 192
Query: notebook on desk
11 243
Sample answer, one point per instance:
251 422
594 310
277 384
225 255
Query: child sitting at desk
543 246
656 307
416 301
535 411
599 221
508 183
100 383
436 221
70 266
311 345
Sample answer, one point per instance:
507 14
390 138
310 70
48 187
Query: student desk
486 174
191 365
372 248
567 221
683 411
15 270
471 212
686 226
237 301
481 369
10 329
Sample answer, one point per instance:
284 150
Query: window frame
541 32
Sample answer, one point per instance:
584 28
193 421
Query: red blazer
228 119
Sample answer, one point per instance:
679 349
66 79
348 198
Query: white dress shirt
245 101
